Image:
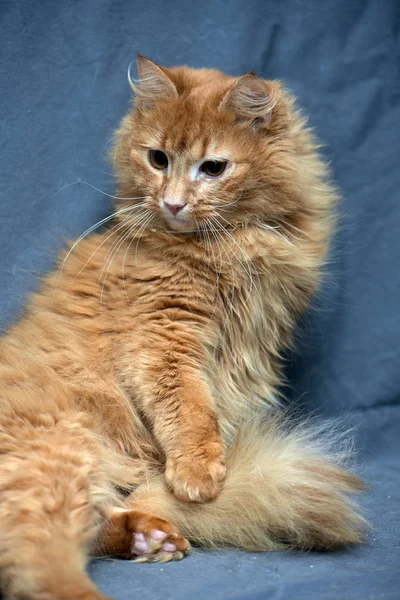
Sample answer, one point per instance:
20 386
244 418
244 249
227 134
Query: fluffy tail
285 488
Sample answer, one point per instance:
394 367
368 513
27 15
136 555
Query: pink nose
174 207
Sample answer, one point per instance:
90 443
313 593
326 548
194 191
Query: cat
139 391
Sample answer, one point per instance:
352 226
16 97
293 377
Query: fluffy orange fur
138 392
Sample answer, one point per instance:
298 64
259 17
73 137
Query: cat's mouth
181 221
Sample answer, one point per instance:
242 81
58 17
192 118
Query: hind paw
158 546
133 534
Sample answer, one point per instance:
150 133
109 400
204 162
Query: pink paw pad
140 546
168 547
158 535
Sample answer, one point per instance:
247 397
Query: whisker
177 232
214 233
207 241
142 228
276 230
218 236
126 254
267 227
91 229
140 219
124 226
246 258
304 233
201 236
97 190
113 231
247 268
230 203
206 244
115 247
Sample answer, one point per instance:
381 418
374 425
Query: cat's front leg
195 469
186 425
176 400
199 475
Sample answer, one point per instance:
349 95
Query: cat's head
203 148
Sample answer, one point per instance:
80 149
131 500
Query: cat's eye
213 168
158 159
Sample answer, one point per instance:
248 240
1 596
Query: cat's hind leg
54 487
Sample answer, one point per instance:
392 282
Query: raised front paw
197 474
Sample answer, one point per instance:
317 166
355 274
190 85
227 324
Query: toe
139 544
168 547
158 535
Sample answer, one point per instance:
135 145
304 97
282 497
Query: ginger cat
138 392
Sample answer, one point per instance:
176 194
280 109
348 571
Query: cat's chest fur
231 313
243 367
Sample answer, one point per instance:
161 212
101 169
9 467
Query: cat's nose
174 206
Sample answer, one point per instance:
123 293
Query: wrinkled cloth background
63 89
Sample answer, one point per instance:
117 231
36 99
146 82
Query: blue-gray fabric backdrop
63 89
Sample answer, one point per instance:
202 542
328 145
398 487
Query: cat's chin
180 225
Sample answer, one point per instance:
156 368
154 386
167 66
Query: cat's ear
251 99
153 84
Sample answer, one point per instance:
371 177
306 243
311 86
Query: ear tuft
153 84
251 100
